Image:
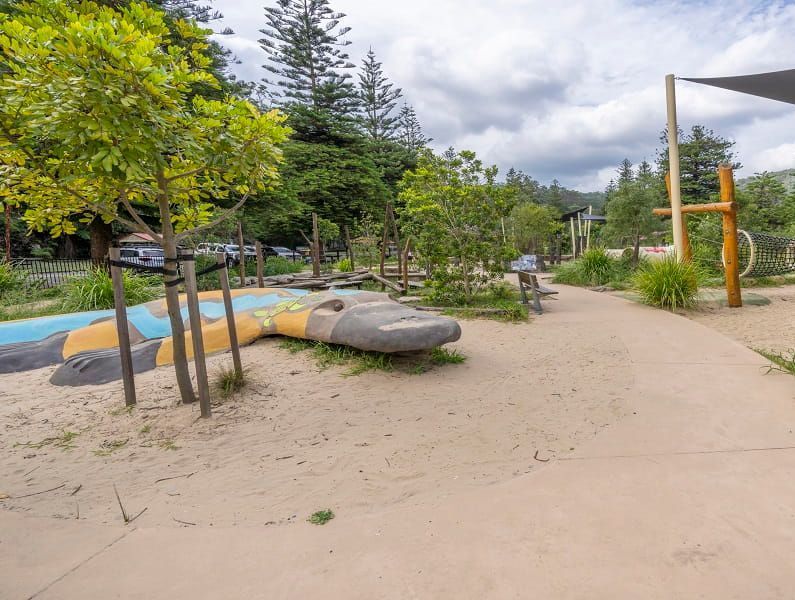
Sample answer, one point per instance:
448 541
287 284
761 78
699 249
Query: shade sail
778 85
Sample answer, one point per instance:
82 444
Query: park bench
530 281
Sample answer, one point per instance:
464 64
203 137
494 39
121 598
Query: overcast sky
565 89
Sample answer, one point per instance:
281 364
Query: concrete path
692 496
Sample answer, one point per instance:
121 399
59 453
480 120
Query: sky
565 89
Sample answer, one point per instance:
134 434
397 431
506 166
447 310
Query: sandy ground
770 327
299 439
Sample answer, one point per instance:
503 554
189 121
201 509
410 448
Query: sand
770 327
300 439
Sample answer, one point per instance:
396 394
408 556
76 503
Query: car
233 253
282 252
209 248
145 256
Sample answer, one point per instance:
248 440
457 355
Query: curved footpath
692 496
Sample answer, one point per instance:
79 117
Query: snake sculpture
85 345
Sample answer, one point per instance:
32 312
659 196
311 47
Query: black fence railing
49 272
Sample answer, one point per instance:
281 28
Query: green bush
597 266
11 279
344 266
594 267
668 283
94 291
278 265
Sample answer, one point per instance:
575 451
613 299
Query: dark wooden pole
315 247
230 314
125 352
260 265
384 242
350 247
242 254
194 314
406 267
396 236
8 232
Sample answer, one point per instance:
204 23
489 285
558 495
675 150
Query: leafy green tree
764 204
629 209
124 133
378 98
532 225
306 56
453 207
700 153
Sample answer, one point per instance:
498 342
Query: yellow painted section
292 324
94 337
215 337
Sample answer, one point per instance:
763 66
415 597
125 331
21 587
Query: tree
97 116
306 56
629 209
410 133
453 208
532 226
763 204
378 99
700 153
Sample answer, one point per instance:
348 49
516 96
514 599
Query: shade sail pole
673 166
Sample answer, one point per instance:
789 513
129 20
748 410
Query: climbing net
761 254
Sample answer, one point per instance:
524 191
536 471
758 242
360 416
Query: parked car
282 252
145 256
209 248
233 253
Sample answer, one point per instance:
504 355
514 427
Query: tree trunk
172 296
636 250
465 273
101 235
8 232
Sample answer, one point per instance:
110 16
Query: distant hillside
787 177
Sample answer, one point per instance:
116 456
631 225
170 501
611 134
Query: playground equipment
728 209
86 345
762 255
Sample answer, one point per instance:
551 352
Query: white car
209 248
145 256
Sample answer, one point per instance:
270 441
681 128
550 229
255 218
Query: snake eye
338 306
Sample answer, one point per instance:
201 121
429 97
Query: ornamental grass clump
668 283
94 290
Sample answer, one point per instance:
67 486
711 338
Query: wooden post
351 256
673 165
125 352
230 314
384 241
688 249
730 252
260 265
241 255
315 247
573 239
406 267
8 232
189 268
396 236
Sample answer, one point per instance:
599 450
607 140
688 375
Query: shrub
344 266
668 283
11 279
597 266
94 291
228 381
278 265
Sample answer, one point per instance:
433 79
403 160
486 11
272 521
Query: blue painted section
150 326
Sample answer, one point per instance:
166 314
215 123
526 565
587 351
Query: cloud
565 90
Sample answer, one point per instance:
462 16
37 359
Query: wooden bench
530 281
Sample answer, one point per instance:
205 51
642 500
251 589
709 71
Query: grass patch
360 361
145 429
499 301
229 382
64 441
321 517
596 268
94 291
668 283
168 444
780 361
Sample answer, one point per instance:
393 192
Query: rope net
762 255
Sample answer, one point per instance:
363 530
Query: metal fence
49 272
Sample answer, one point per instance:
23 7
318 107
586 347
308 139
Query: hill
787 177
